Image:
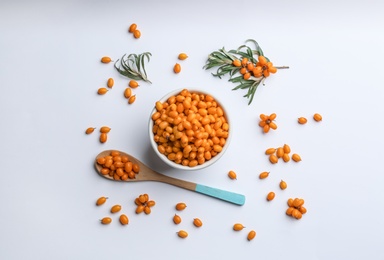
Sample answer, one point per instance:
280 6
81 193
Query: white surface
50 72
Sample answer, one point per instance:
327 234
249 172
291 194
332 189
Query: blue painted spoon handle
232 197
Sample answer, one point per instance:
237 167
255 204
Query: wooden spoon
147 174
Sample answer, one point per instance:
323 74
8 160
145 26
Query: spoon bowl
147 174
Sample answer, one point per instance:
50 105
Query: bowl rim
180 166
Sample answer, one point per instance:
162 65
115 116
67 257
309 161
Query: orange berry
251 235
266 73
243 71
102 91
266 128
250 66
137 34
103 137
132 99
286 157
286 148
317 117
182 56
132 28
273 125
244 62
106 59
270 196
90 130
127 93
262 60
197 222
302 120
238 227
106 220
232 175
273 159
270 151
283 185
133 84
176 219
181 206
272 116
177 68
272 69
247 76
105 129
101 201
110 83
296 157
124 219
263 175
236 63
182 234
280 152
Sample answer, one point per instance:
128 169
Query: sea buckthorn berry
279 152
139 209
101 201
151 203
197 222
317 117
286 148
273 125
236 63
251 235
132 28
106 59
176 219
177 68
272 116
182 234
250 66
103 137
132 99
302 120
302 210
127 93
247 75
270 151
238 227
273 159
289 211
102 91
286 157
243 71
296 157
182 56
105 129
106 221
290 202
110 83
263 175
270 196
180 206
133 83
147 210
283 185
123 219
244 62
115 208
137 34
90 130
232 175
262 60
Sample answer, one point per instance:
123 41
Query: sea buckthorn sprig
133 66
296 208
253 66
266 122
144 204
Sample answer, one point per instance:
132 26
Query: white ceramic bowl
180 166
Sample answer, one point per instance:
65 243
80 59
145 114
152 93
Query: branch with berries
251 64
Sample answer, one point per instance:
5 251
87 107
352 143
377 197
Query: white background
50 71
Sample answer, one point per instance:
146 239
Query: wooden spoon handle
232 197
228 196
